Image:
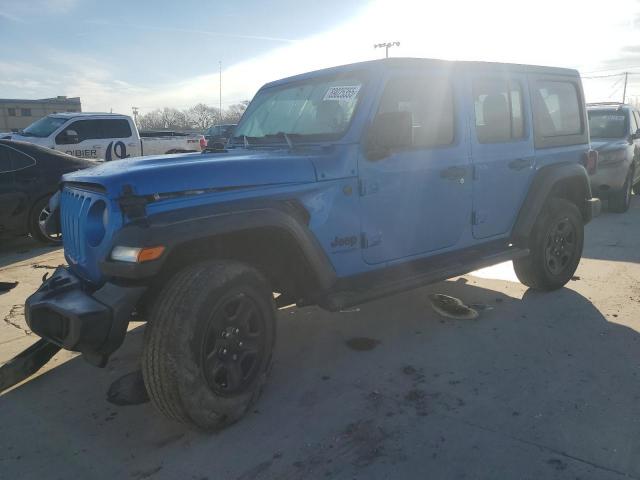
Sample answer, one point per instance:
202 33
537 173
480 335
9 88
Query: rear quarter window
559 112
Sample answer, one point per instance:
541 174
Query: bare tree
151 121
233 113
199 117
202 116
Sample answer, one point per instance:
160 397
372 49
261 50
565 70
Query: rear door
418 200
502 150
122 142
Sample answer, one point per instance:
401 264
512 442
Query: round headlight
97 219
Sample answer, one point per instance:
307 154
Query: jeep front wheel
209 344
556 247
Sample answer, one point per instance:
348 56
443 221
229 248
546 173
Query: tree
202 116
234 112
151 121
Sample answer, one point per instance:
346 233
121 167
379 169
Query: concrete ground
540 386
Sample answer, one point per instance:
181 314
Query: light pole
386 46
220 69
135 114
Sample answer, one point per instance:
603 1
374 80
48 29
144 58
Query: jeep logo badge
340 243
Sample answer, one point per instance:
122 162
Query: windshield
43 127
607 123
319 109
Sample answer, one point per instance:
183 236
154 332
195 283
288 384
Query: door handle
520 163
454 173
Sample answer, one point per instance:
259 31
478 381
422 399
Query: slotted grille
73 212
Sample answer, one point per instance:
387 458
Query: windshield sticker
344 94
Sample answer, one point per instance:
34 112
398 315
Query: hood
182 172
35 140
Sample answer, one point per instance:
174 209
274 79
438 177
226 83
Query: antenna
386 46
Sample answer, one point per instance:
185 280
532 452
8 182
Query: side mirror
390 130
68 137
636 135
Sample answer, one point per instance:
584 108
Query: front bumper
64 312
592 208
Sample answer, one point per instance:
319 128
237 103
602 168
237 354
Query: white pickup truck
106 136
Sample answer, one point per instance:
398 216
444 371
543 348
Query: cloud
491 30
208 33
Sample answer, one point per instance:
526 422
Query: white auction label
345 93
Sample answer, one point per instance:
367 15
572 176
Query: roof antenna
387 46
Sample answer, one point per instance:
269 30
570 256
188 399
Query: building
17 114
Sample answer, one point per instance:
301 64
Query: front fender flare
172 229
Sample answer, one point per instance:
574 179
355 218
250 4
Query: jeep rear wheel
209 344
556 247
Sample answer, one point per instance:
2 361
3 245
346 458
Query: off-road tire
534 270
182 316
620 200
34 223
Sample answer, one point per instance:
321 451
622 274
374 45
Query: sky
150 54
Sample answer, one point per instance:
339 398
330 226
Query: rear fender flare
544 182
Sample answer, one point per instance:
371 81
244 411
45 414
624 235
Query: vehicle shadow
544 379
18 249
614 236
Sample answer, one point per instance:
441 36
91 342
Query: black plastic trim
543 183
94 323
171 229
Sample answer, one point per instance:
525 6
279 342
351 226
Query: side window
636 114
498 110
633 121
430 102
87 129
6 164
559 106
119 128
22 161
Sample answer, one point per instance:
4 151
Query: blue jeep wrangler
340 186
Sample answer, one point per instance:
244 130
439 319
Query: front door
502 150
83 139
418 200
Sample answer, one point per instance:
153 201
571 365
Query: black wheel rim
234 345
560 246
42 220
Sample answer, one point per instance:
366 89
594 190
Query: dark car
615 134
218 135
29 175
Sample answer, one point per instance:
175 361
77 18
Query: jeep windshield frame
312 110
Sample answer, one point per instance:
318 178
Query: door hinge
367 241
366 187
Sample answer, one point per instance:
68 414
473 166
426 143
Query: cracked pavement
539 386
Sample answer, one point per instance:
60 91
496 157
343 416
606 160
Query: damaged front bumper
65 313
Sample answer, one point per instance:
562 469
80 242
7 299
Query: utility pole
386 46
135 114
220 73
624 91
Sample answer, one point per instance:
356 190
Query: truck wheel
39 214
209 344
619 201
556 247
